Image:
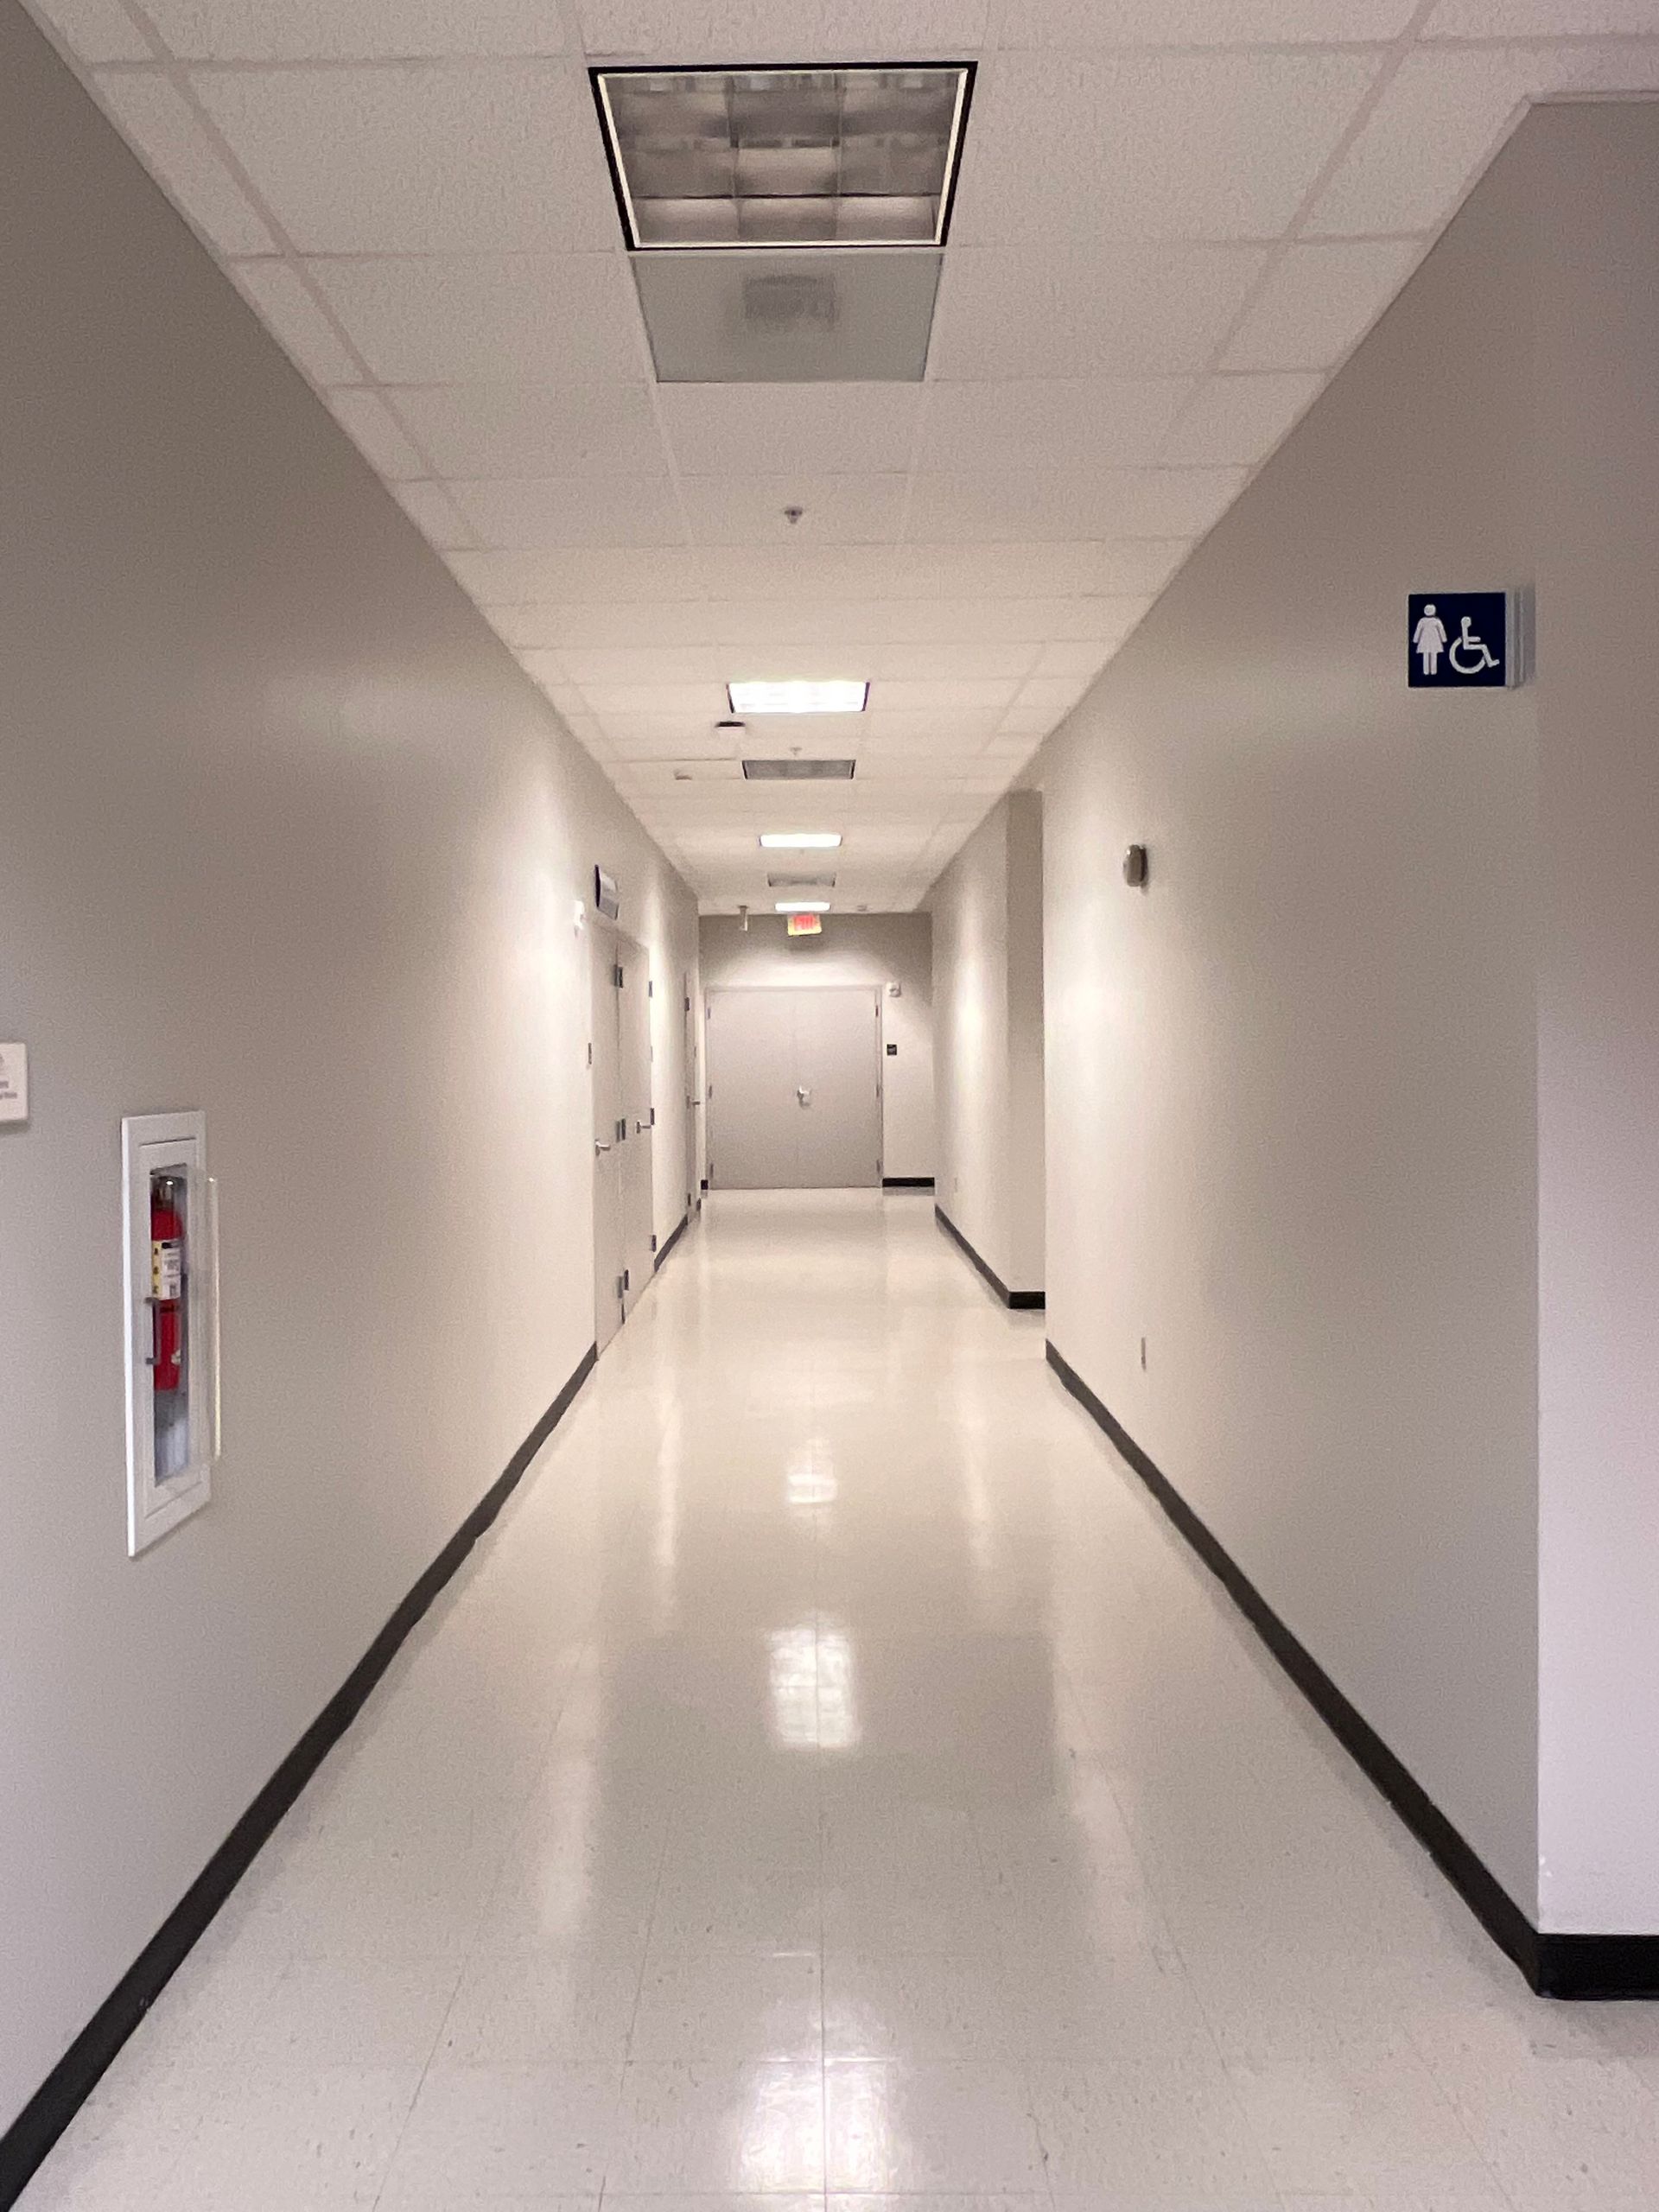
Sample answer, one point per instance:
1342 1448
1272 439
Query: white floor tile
833 1785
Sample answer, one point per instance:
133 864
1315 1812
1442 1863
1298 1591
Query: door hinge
653 1243
621 1285
627 1279
651 987
618 977
622 1130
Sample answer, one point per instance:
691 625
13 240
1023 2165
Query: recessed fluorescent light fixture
840 696
859 156
802 906
800 841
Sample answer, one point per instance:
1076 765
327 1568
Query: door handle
803 1095
599 1147
640 1128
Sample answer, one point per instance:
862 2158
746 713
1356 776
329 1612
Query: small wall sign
14 1082
1461 641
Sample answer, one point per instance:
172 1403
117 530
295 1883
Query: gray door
633 1003
794 1089
605 1053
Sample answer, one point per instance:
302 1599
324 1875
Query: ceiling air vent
799 772
800 883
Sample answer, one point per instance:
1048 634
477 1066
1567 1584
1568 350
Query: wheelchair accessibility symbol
1459 640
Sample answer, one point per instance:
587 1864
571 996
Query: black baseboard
1556 1966
671 1240
1023 1301
907 1182
54 2104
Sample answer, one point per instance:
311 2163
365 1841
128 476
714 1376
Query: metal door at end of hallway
794 1088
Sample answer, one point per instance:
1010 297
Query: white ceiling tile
598 574
95 30
600 665
1049 423
366 418
1319 300
1078 310
640 625
1443 114
1240 419
528 513
157 119
421 159
1220 145
777 429
499 430
837 510
1537 18
988 696
556 319
820 736
684 739
1071 661
608 701
366 30
1204 22
1127 502
279 295
963 660
790 624
1014 621
430 506
750 30
926 729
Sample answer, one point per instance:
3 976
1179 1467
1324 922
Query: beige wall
1291 1085
1597 338
880 950
987 990
284 834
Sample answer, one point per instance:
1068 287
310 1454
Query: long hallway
832 1776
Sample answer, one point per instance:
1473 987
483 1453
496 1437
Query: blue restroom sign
1460 640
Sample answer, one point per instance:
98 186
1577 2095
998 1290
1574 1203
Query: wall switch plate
14 1082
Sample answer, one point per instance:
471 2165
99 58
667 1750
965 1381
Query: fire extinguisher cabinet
170 1251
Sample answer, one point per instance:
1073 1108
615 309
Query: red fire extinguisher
166 1282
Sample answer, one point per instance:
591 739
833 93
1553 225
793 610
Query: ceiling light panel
838 696
800 841
757 158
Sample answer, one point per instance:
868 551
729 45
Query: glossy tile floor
834 1779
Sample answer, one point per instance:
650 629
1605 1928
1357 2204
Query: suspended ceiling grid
1176 218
